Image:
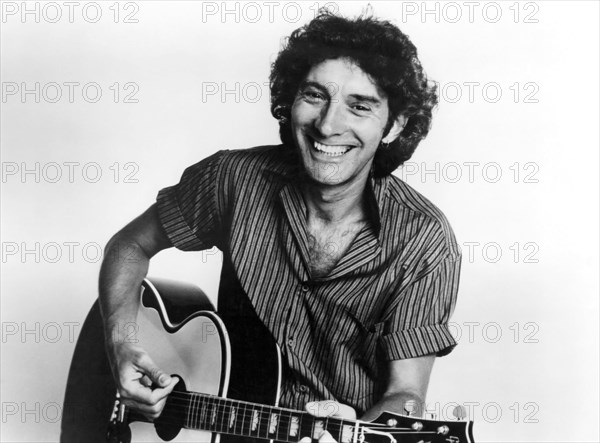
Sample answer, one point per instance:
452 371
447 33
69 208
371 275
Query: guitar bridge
118 429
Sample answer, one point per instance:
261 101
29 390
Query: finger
150 411
146 366
324 408
327 438
345 411
145 380
330 408
142 395
159 394
135 392
152 405
153 412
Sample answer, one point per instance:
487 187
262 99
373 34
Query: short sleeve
190 211
417 325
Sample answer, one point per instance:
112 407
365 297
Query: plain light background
527 316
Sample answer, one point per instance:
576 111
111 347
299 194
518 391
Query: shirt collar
289 171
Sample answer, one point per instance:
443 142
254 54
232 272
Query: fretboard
227 416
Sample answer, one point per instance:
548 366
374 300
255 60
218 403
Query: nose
331 120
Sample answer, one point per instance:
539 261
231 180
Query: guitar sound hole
171 419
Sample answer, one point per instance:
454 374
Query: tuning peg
417 426
443 430
410 406
459 412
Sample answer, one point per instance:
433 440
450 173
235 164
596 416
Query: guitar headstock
390 427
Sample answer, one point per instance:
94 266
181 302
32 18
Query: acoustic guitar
222 399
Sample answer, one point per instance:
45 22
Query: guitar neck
228 416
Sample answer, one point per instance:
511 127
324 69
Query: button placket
291 320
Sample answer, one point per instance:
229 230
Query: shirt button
291 342
305 288
303 389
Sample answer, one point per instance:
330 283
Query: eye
361 108
313 96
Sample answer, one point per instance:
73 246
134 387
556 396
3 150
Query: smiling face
337 121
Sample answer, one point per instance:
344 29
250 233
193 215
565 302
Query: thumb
330 408
156 375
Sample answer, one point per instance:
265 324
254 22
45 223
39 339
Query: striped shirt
389 297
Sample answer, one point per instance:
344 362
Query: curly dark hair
382 51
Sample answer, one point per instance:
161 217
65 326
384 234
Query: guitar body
179 329
229 383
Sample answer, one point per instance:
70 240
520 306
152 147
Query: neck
333 204
234 417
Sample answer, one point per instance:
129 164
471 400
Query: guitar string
185 400
232 430
190 402
226 409
186 397
184 403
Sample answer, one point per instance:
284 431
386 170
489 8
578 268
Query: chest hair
327 245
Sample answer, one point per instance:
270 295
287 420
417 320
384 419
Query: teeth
332 151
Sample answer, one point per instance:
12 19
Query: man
353 273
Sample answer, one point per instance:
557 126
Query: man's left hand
328 408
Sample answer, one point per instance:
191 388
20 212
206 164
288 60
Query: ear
396 129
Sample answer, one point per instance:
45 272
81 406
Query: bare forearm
406 387
124 267
126 259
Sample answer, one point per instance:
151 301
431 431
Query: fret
306 424
282 433
211 422
317 428
189 412
255 420
333 427
247 422
216 417
192 414
221 413
238 429
202 416
273 423
294 425
348 433
242 418
232 417
342 429
225 408
228 410
337 430
194 404
264 422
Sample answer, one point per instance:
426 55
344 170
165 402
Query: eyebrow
366 98
360 97
319 86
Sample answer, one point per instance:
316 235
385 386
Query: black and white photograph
300 221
